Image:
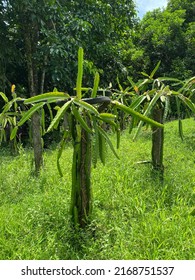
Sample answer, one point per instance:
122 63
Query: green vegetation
85 127
39 42
135 216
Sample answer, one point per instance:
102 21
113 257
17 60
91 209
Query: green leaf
148 111
145 74
50 111
119 85
186 84
102 147
132 124
4 122
11 114
80 119
96 84
47 97
4 97
164 79
143 84
118 136
62 144
137 101
107 116
14 132
80 73
86 106
59 115
95 142
166 108
132 112
187 102
104 134
30 112
154 70
178 105
156 84
10 103
133 84
57 108
86 89
2 136
10 121
163 98
43 119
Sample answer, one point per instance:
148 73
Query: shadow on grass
78 241
189 142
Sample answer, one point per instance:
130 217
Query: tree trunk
33 84
37 142
81 174
42 81
158 140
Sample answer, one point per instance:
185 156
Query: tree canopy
168 36
54 31
48 33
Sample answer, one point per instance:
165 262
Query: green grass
135 215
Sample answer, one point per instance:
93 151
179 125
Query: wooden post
158 140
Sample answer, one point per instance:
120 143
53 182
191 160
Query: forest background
116 42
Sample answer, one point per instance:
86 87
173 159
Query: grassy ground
135 215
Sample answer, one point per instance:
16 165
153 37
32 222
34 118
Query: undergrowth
135 214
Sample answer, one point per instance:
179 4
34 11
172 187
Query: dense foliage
39 42
115 41
166 35
55 30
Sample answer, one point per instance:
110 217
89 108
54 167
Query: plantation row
87 118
